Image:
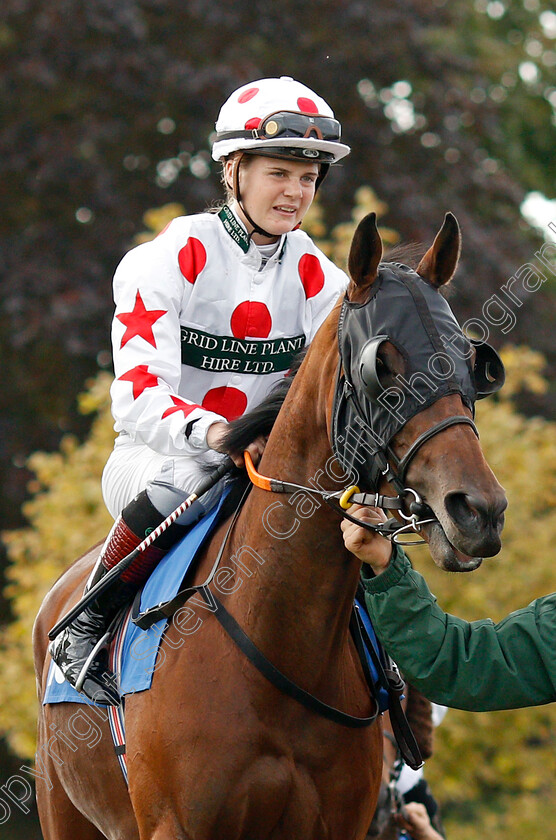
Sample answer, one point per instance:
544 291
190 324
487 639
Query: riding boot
81 650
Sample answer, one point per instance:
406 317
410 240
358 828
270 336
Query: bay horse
214 750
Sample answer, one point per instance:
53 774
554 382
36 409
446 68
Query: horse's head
403 411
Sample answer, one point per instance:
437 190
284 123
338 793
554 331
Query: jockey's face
275 192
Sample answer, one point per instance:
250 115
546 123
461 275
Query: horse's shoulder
66 591
79 568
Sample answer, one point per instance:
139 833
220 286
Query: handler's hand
368 546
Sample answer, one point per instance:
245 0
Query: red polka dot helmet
278 118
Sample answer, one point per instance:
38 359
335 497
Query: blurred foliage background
106 110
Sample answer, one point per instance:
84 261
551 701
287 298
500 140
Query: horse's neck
304 580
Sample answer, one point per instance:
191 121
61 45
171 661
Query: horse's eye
384 373
381 369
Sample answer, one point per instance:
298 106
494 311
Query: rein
341 500
388 676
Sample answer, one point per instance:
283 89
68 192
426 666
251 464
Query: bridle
367 434
419 513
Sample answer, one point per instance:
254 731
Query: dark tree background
106 109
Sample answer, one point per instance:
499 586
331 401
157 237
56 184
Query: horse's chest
276 798
316 784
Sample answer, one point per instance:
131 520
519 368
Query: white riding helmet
278 118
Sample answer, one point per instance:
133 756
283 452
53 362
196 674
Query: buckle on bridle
414 523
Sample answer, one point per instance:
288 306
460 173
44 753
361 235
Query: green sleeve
478 665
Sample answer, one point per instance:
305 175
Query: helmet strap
237 195
324 169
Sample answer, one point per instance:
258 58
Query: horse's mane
410 254
419 717
260 420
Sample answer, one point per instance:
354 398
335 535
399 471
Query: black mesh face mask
372 404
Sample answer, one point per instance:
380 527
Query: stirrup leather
103 642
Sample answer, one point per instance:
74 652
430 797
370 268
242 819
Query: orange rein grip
256 478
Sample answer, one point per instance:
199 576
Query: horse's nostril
467 509
457 508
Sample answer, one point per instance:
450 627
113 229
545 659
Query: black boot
81 650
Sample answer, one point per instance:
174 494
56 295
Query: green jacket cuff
396 569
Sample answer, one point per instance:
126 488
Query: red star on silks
141 379
140 321
179 405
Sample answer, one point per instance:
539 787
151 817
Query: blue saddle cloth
139 648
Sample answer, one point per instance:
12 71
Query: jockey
209 316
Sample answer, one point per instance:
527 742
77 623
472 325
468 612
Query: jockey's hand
215 435
415 819
368 546
256 449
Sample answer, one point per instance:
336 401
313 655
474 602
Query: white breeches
132 466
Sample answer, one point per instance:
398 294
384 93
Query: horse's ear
365 254
440 262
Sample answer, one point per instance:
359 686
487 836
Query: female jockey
208 318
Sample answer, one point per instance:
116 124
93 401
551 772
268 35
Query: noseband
415 512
